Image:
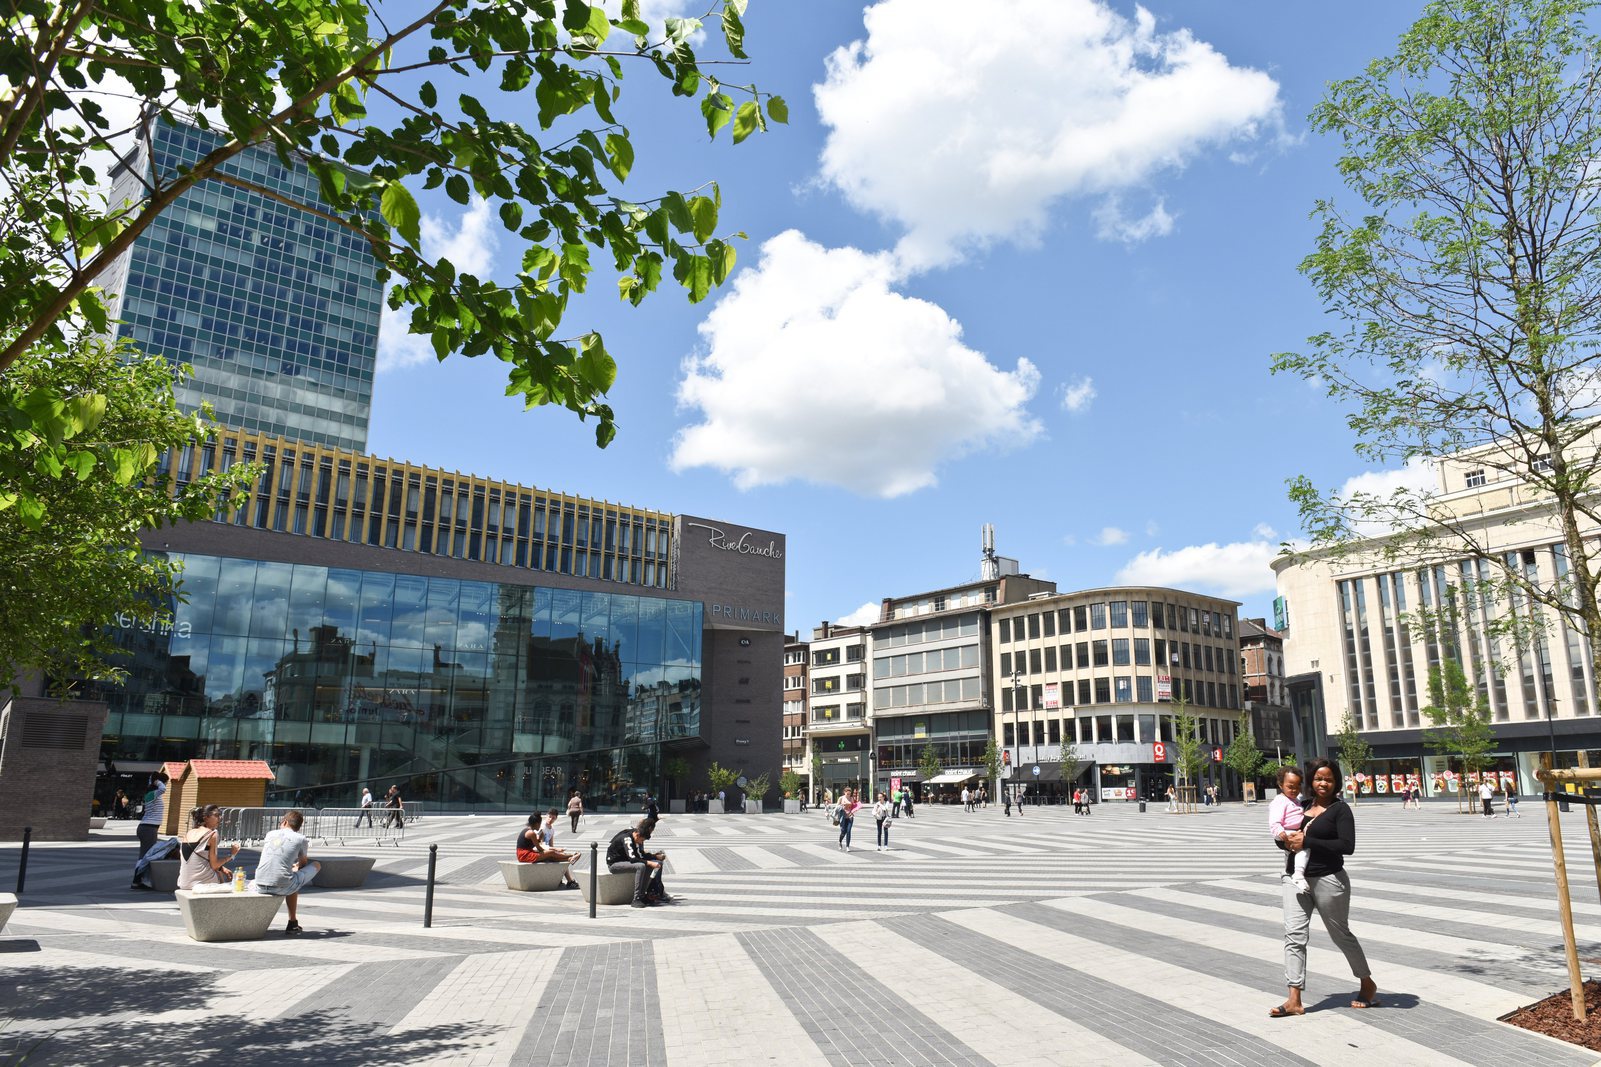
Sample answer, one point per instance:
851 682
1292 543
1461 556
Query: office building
276 310
1364 632
796 654
1094 674
365 621
838 733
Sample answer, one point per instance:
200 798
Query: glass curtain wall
469 694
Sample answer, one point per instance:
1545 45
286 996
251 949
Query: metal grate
65 732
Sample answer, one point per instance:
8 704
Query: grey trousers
1331 895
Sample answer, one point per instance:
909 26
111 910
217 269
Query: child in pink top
1286 815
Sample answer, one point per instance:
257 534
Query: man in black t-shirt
626 855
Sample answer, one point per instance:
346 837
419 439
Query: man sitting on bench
284 868
532 848
626 855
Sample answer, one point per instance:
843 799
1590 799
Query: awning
950 778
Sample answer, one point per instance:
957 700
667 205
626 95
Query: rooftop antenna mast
989 566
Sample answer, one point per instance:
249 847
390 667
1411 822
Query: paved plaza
979 939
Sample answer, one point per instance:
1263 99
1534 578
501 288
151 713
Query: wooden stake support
1551 779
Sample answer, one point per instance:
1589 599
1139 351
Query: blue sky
1022 264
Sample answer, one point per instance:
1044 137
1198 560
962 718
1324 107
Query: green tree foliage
928 764
992 762
377 110
1355 753
1461 277
1072 762
758 787
789 783
1242 756
1189 752
720 778
79 469
1460 718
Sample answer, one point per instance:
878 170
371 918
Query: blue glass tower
275 309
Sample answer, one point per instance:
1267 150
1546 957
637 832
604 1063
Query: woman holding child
1327 834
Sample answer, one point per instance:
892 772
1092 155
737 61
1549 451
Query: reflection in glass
469 693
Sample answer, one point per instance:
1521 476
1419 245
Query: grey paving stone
1480 1041
853 1016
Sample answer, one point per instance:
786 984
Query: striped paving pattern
975 939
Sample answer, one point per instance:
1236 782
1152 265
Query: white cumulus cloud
1238 570
1077 396
469 243
816 369
1111 224
1417 475
1111 535
965 136
868 612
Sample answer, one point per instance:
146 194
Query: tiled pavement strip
980 939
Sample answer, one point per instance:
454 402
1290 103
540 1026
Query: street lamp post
1017 738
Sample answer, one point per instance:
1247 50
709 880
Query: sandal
1282 1012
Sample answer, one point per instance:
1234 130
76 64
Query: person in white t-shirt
366 806
284 868
1487 797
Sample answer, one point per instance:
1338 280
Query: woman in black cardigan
1329 833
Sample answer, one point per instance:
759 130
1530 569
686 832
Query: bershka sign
743 545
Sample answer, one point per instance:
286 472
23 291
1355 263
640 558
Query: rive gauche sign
745 544
737 571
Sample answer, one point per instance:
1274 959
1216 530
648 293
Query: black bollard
428 905
594 876
22 862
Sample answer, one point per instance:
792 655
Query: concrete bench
342 872
612 888
8 904
227 916
164 875
532 877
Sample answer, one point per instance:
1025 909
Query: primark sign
736 571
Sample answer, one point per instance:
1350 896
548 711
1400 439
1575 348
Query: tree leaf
777 110
745 120
719 111
621 154
703 212
399 209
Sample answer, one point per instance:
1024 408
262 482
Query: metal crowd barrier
362 824
250 826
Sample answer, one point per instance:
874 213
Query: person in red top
847 816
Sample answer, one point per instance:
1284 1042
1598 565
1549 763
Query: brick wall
48 753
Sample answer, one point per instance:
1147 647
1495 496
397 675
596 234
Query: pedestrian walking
895 803
906 800
1020 791
1172 801
150 821
366 806
881 814
575 807
847 818
1487 797
1078 802
1510 789
397 809
967 799
1330 836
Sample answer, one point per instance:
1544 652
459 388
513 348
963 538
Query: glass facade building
275 309
477 694
337 495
